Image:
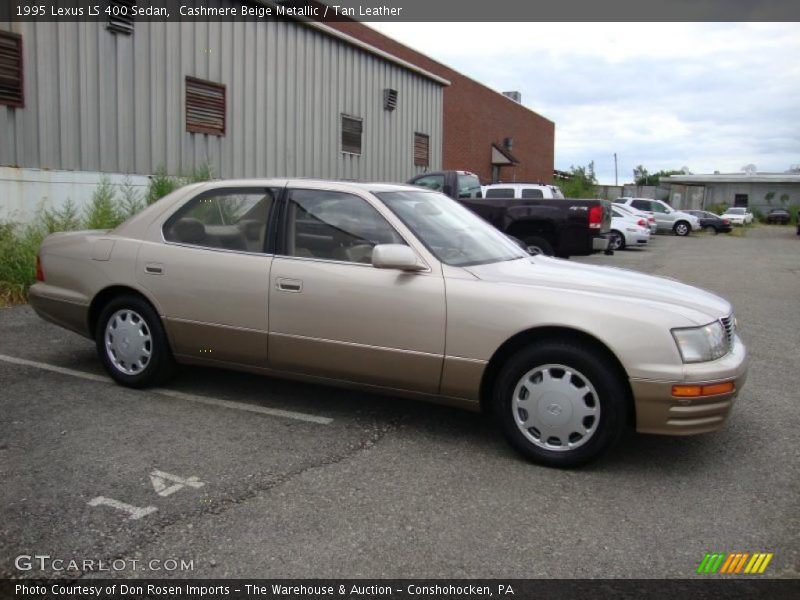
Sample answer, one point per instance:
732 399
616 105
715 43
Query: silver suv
667 218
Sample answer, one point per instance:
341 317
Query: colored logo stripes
734 563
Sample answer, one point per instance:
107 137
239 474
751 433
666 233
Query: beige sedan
400 290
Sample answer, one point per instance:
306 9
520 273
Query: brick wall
475 117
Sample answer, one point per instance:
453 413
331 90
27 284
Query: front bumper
658 411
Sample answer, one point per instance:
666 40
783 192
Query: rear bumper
658 411
600 243
66 310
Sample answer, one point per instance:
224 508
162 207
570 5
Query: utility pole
616 181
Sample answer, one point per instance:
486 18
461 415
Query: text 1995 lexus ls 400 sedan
394 288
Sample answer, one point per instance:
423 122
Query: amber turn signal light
695 391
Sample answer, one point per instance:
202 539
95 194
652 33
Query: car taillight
642 223
39 272
596 217
726 222
651 218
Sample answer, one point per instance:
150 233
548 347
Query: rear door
210 276
332 314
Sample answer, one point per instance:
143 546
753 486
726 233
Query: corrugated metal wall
97 101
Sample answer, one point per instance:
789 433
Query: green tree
642 177
581 182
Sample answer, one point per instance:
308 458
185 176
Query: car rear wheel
131 343
616 240
560 404
682 228
538 245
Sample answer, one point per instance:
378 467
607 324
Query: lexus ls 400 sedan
396 289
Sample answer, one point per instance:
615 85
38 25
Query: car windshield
455 235
736 211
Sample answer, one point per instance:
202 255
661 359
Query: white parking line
273 412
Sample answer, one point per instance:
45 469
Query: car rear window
500 193
532 193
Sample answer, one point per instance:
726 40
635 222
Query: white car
521 190
667 218
648 217
738 216
627 230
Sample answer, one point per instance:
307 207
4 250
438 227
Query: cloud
665 95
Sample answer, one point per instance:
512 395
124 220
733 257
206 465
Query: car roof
301 181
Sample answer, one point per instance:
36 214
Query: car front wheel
131 343
682 228
560 404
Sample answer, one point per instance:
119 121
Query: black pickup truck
554 226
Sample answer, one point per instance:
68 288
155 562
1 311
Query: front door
332 314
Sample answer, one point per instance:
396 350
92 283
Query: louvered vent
389 99
12 91
352 128
205 107
120 18
421 150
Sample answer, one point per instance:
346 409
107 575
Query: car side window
641 205
659 208
334 226
532 193
230 219
432 182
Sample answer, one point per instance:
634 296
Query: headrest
189 230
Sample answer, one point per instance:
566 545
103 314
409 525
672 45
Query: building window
421 150
741 200
120 16
12 91
205 107
352 128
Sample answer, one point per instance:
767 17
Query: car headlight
701 344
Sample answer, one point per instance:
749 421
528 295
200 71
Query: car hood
546 272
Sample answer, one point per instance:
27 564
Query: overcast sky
664 95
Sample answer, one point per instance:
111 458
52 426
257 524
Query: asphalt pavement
230 475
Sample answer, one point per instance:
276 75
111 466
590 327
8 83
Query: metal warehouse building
761 191
255 98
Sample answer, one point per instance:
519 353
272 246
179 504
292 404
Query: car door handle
289 285
154 268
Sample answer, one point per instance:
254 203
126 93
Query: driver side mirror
396 256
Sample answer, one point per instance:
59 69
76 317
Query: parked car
648 217
401 290
552 226
627 230
711 222
521 190
738 215
779 215
667 218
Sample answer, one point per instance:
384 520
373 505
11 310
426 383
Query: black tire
161 364
538 245
602 373
616 240
682 228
